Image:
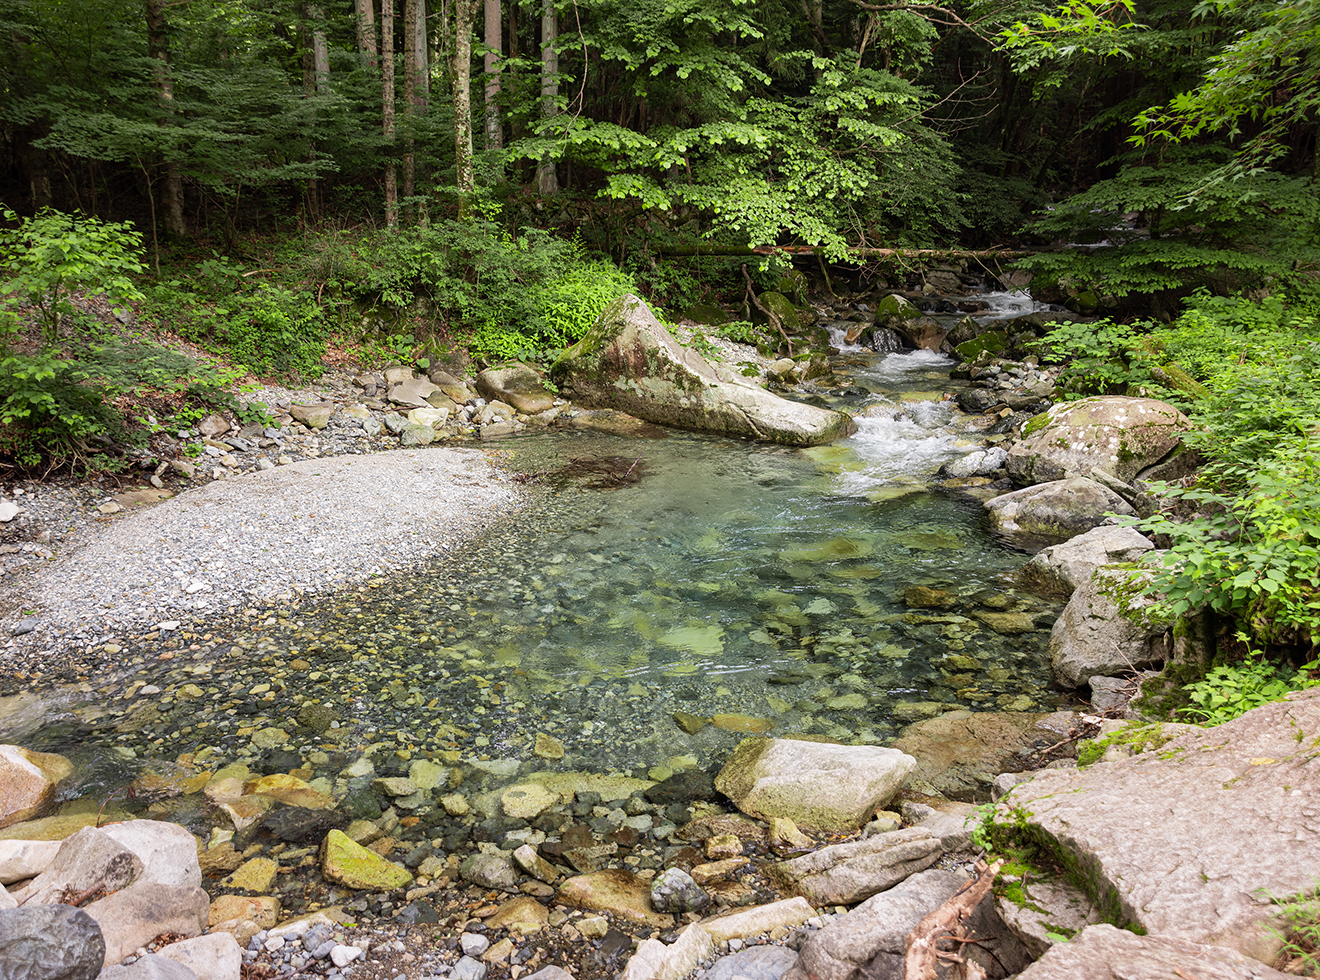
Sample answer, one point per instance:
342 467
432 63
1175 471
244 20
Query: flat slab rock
1187 842
1102 952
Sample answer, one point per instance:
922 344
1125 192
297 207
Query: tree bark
158 49
547 179
320 50
387 106
409 100
461 78
366 31
493 16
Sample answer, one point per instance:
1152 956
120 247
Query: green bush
1230 690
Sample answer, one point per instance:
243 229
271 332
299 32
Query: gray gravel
311 526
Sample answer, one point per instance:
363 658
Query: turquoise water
828 591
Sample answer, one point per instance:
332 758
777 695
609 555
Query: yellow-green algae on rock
353 866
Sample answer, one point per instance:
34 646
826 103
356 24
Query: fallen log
880 253
921 951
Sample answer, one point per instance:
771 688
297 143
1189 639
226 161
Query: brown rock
619 892
134 916
28 781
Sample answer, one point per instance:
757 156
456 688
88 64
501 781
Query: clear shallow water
710 577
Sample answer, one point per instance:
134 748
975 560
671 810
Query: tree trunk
409 101
158 49
547 180
493 17
461 79
320 50
366 31
421 59
387 104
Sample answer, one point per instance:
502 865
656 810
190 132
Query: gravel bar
311 526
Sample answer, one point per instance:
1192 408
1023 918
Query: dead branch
751 294
922 954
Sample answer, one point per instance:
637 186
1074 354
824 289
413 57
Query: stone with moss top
352 865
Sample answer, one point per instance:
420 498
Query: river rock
167 851
1102 952
313 416
87 861
134 916
520 916
216 956
153 966
979 462
1093 637
869 941
616 891
819 786
788 913
49 942
656 961
352 865
1112 432
1188 841
896 312
412 392
516 385
673 890
28 781
23 859
1061 568
488 871
1054 511
849 872
1046 907
629 362
753 963
959 753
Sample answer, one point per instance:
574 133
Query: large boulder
1110 432
1094 638
817 785
1061 568
28 781
897 313
87 862
1057 511
516 385
629 362
868 943
168 852
1195 842
134 916
1102 952
959 753
49 942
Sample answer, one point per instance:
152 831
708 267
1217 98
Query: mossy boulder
1115 433
994 341
353 866
629 362
897 313
790 317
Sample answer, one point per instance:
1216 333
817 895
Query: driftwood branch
922 955
865 252
769 314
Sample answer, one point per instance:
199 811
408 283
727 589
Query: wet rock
489 871
674 891
1093 637
979 462
1060 569
1101 952
959 753
1057 511
526 801
682 787
50 942
133 916
629 362
616 891
300 825
1182 841
849 872
28 781
352 865
1112 432
815 784
256 876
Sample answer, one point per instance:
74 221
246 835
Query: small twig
751 294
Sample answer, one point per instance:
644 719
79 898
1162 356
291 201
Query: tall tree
366 30
547 177
493 17
158 48
409 98
387 105
461 78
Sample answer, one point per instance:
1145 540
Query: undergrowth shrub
1230 690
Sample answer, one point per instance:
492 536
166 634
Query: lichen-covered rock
817 785
1093 637
1060 569
1052 512
1195 841
1111 432
629 362
352 865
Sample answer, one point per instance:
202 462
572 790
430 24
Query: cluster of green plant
511 296
1230 690
1300 955
67 380
1099 358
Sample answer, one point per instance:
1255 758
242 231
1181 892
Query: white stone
341 956
216 956
8 511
